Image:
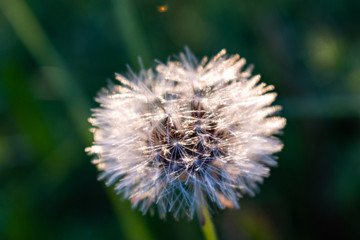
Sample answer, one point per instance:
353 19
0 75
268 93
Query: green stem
206 223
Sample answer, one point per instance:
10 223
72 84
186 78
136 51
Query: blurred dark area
56 55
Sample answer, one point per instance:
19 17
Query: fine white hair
187 134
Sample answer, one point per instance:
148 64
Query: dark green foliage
310 51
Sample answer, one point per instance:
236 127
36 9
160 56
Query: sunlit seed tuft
186 135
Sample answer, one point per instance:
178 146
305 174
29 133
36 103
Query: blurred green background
56 55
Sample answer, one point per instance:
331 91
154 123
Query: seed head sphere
186 135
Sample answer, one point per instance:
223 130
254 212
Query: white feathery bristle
186 135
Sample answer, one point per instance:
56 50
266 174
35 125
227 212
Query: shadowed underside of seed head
183 145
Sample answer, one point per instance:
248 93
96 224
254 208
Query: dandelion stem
206 223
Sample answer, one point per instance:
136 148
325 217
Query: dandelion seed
187 134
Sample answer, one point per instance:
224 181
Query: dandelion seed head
187 134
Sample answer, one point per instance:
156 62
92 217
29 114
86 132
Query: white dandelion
187 135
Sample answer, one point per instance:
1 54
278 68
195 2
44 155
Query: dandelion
187 135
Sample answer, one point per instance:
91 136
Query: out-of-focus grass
58 74
55 70
50 65
36 125
130 31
